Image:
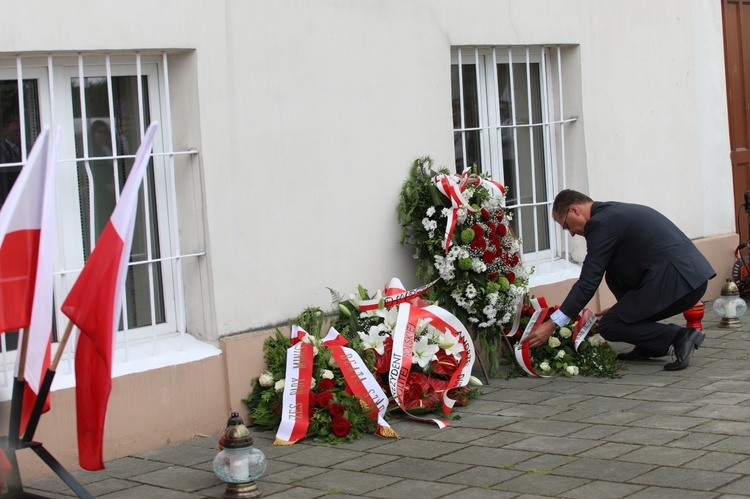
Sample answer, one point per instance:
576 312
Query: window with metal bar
103 104
507 122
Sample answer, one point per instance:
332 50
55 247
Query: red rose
488 257
324 398
499 214
327 384
485 214
478 230
336 410
340 426
514 260
478 244
510 276
492 276
313 399
348 390
501 230
496 243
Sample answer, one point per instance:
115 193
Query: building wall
307 116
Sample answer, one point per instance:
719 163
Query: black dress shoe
687 340
638 353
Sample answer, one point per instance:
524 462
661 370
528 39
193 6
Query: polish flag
94 305
26 264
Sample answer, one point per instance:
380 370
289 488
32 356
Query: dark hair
566 198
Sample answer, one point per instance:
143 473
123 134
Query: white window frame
53 74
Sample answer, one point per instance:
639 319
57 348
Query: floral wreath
461 235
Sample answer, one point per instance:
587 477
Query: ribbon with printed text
359 379
295 408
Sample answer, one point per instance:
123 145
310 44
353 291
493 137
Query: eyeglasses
565 220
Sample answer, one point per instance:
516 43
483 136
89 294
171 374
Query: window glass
102 172
499 124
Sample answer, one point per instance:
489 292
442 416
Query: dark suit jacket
649 262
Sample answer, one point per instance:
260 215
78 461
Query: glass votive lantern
730 306
239 464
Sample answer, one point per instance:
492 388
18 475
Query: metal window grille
97 87
508 122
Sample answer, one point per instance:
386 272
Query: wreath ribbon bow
452 186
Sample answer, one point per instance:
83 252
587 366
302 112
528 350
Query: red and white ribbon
585 322
395 294
452 187
359 378
402 357
523 352
295 406
443 320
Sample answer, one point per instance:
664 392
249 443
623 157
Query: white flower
424 352
266 379
571 370
560 354
544 366
389 316
430 211
279 386
565 332
313 382
326 374
473 380
373 340
596 340
450 344
471 291
553 342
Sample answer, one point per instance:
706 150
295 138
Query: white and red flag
26 264
94 305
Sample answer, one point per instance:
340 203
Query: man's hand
601 314
540 334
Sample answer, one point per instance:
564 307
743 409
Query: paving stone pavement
650 433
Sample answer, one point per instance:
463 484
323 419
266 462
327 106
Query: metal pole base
241 490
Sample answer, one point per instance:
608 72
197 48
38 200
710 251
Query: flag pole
18 388
45 387
31 426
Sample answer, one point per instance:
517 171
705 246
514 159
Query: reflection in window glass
105 165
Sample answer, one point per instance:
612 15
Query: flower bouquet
460 232
563 355
335 414
441 349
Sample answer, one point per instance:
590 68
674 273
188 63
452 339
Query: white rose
473 380
560 354
565 332
266 379
279 386
572 370
313 382
326 374
596 340
544 366
553 342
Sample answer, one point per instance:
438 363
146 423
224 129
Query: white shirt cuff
559 318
